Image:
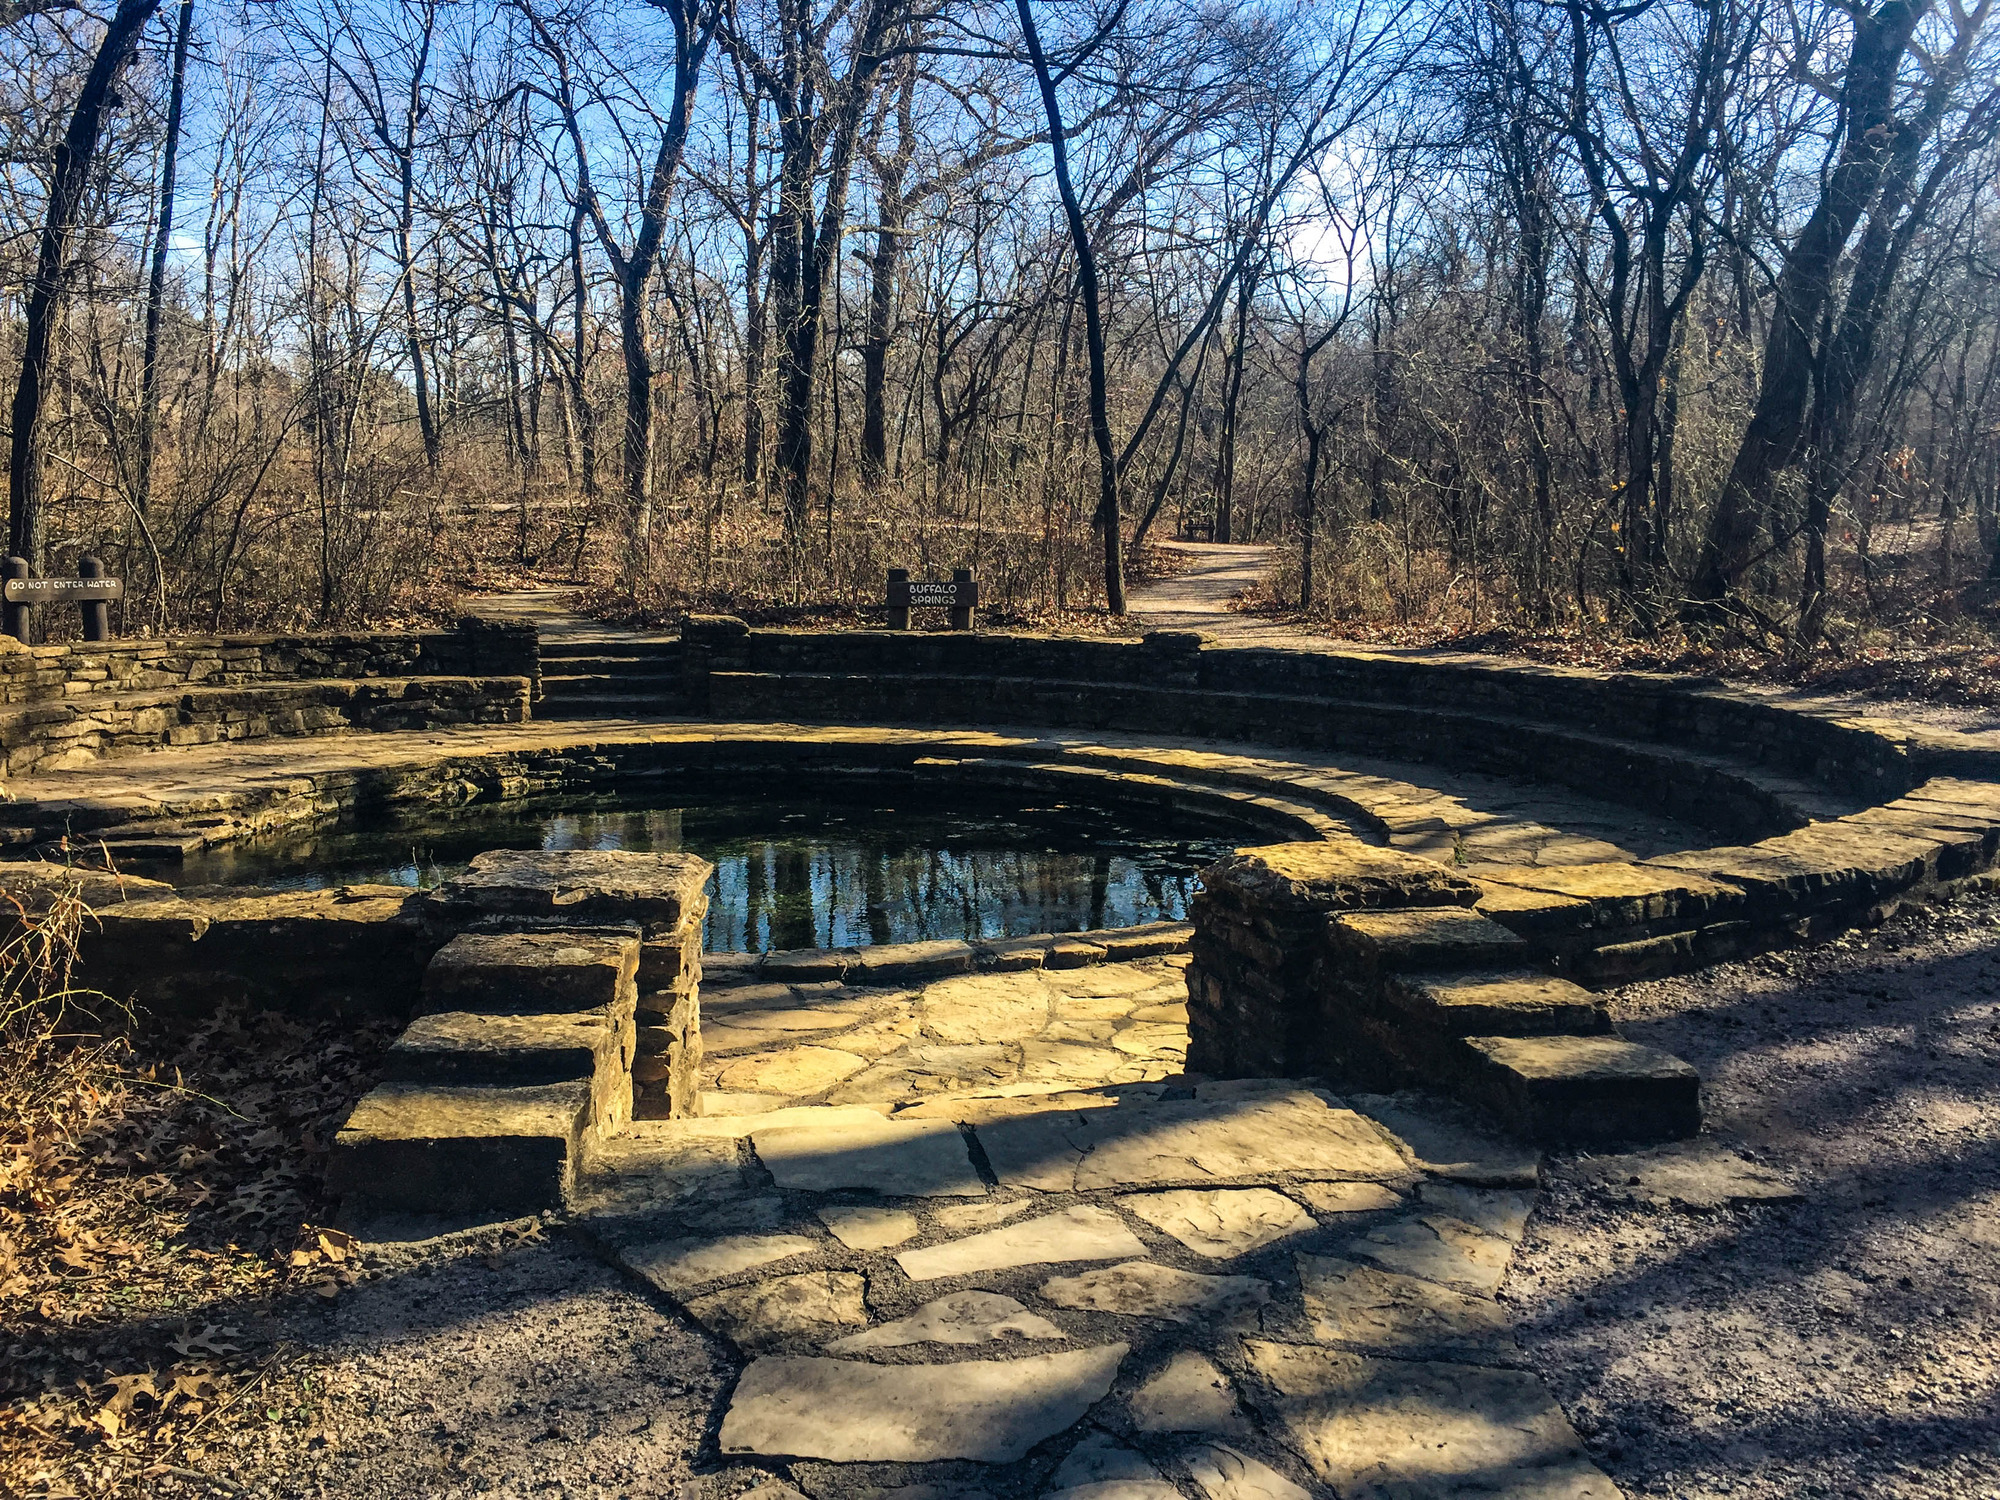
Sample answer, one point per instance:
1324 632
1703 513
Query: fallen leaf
336 1245
210 1339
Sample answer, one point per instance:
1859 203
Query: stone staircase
610 678
531 1030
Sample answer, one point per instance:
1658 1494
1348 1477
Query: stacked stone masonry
1377 968
66 704
523 1058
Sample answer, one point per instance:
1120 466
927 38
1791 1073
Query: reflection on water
826 873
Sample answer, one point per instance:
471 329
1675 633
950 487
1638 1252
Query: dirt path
1199 598
549 611
1842 1346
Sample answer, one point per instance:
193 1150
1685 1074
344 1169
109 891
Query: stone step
1517 1003
1423 939
611 706
460 1047
622 651
601 677
430 1148
535 973
1584 1090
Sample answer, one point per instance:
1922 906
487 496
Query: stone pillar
1260 921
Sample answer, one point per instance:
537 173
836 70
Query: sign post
92 593
960 596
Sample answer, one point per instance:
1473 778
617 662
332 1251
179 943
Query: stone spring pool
794 868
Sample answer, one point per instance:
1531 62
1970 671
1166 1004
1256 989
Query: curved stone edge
1391 972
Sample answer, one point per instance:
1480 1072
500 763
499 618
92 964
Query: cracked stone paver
900 1158
992 1411
1079 1233
1382 1427
1189 1395
957 1318
766 1314
1141 1289
870 1226
1221 1223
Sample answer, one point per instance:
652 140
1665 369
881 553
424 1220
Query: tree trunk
1777 423
579 362
1107 517
156 284
27 526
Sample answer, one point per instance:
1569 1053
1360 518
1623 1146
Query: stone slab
1444 1141
1497 1211
868 1227
1585 1090
1445 939
1189 1143
796 1073
1222 1473
1221 1223
436 1148
1346 1197
1189 1395
895 963
988 1411
897 1158
637 1171
679 1266
466 1047
1098 1461
1081 1232
1693 1174
1347 875
1349 1303
1386 1428
768 1314
1142 1289
580 886
986 1008
971 1317
532 971
1518 1004
964 1218
1437 1247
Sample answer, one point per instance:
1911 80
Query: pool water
829 872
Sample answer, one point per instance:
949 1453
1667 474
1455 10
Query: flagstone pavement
984 1238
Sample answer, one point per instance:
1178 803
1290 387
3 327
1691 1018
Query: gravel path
530 1369
1848 1345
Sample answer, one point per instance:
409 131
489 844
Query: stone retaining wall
65 704
1375 970
1673 743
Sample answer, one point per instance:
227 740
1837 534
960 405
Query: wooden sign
64 590
960 595
92 594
